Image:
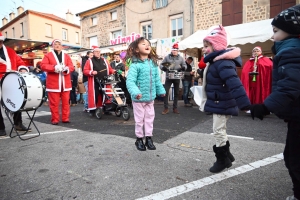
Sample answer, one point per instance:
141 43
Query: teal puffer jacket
143 78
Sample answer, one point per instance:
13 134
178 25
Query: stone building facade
209 12
102 22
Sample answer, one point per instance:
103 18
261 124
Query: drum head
13 94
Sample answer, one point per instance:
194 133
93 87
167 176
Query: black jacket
284 101
83 61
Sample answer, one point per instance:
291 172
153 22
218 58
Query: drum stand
23 133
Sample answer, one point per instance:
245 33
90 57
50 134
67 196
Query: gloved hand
259 111
164 69
65 69
199 71
58 68
119 72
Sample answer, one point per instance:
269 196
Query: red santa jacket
57 82
13 62
260 89
88 69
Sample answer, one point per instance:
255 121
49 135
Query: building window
22 30
93 41
176 25
147 30
232 12
115 34
77 37
93 21
161 3
64 34
276 6
113 15
13 32
144 0
6 34
48 30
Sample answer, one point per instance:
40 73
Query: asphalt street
97 159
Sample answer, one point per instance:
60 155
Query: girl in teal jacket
143 84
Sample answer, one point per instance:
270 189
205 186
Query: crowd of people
266 86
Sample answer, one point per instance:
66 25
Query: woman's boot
230 156
223 161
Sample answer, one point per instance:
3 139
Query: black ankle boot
222 162
140 144
230 156
149 144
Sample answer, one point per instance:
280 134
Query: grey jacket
177 60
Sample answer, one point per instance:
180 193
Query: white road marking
188 187
46 133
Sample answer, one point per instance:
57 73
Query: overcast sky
56 7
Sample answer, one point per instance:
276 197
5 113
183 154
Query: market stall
245 36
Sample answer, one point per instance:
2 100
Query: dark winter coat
117 66
284 101
224 90
83 61
74 79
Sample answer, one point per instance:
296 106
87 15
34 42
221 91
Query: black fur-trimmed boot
223 161
230 156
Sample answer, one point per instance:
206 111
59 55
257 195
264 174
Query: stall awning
241 34
21 46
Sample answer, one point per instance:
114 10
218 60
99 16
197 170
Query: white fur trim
235 52
2 38
23 67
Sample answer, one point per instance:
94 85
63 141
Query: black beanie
288 20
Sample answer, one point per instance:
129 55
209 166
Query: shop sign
125 39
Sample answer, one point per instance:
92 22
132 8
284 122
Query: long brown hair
133 47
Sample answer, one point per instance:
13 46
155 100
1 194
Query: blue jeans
85 96
186 88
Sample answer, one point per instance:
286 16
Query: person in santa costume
9 62
99 67
257 85
58 66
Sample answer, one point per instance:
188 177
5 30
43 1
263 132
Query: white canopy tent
241 35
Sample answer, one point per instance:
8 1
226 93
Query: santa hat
96 48
288 20
217 38
175 47
56 40
2 37
257 48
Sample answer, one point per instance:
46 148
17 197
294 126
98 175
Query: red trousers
54 100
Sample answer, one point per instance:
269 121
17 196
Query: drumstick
102 70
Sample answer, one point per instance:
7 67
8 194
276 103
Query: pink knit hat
56 40
218 38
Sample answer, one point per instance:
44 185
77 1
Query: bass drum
21 91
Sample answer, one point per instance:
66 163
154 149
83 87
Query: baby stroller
114 98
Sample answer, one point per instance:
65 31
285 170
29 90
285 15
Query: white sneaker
248 112
291 198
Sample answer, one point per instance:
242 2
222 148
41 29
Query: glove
259 111
58 68
164 69
119 72
66 70
199 71
181 69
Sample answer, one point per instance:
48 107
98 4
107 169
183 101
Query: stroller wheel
125 114
118 112
99 113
